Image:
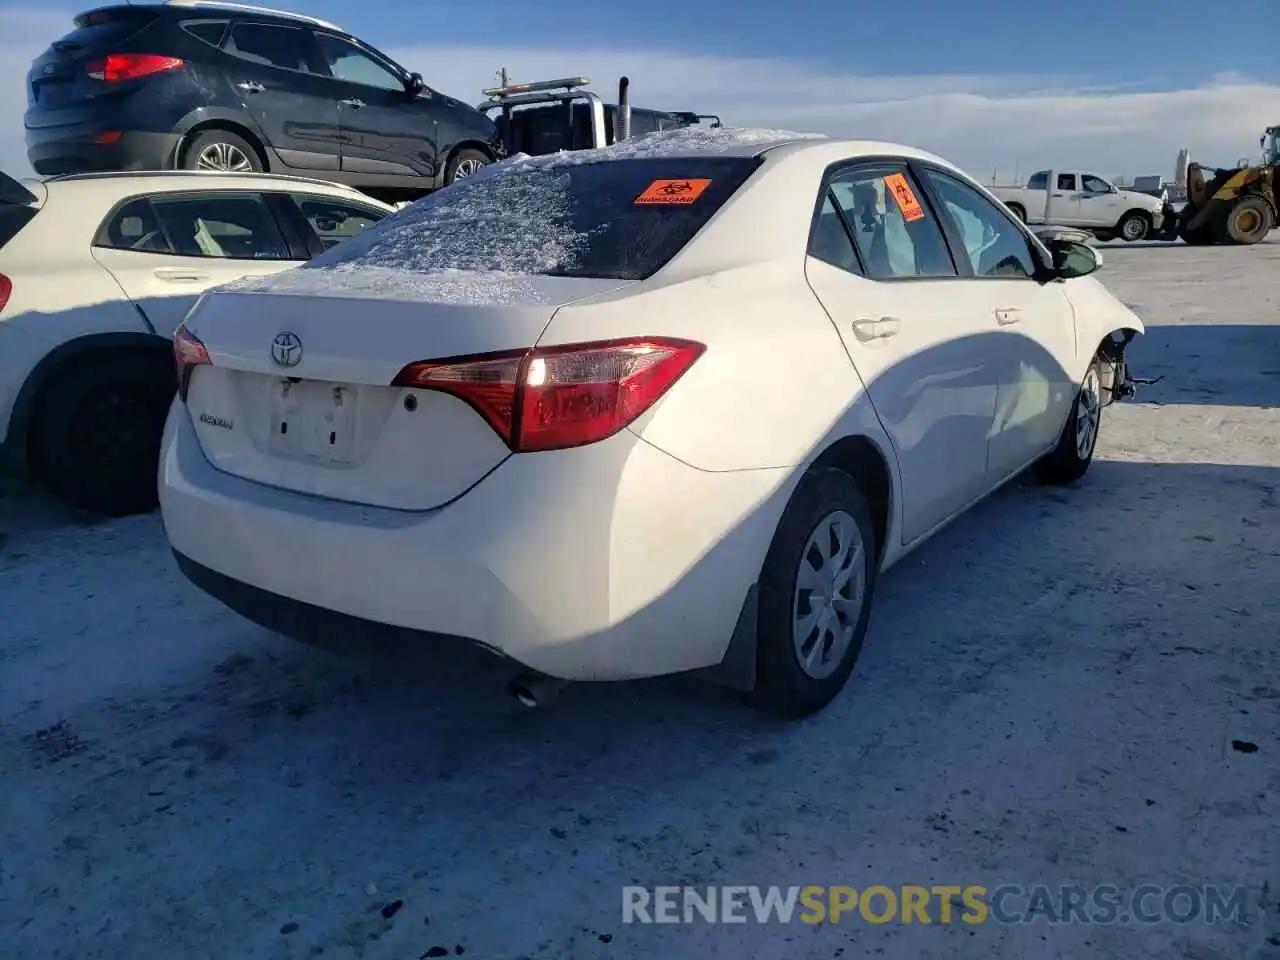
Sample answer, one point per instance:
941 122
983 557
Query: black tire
783 686
1070 459
233 147
96 433
1247 222
1018 211
465 163
1133 226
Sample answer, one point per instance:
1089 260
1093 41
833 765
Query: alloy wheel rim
830 585
1088 412
467 168
224 157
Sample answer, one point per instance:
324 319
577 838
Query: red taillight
116 67
188 353
6 291
557 397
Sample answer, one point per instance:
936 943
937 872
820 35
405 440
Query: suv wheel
221 150
465 163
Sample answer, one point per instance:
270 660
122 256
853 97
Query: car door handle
352 103
1008 316
880 329
251 86
1059 194
180 275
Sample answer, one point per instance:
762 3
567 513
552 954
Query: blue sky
1147 44
999 86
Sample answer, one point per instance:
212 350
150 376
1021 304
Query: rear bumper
84 148
607 562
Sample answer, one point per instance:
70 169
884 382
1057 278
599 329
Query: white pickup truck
1085 201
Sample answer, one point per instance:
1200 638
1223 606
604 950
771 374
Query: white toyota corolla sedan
668 406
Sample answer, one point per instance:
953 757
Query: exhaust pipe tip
533 690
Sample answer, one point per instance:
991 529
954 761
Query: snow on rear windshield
569 214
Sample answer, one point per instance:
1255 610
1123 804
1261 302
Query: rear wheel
1134 225
815 595
221 151
1249 221
96 433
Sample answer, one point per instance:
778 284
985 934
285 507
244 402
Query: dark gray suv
190 84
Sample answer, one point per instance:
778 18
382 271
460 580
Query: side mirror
1072 258
415 84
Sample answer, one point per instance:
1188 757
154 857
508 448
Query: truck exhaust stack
622 123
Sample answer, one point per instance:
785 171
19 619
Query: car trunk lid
297 394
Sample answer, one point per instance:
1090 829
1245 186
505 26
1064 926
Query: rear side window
270 46
12 219
613 219
334 221
208 31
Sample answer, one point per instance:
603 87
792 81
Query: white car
96 273
667 406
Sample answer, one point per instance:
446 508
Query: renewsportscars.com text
938 904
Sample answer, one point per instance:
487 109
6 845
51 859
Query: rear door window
894 231
230 226
614 219
285 48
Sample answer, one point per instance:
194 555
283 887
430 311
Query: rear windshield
103 27
613 219
12 219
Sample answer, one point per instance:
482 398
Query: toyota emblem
286 349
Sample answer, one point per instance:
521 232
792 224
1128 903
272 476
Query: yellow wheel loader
1236 206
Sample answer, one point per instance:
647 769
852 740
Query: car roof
693 142
124 182
224 7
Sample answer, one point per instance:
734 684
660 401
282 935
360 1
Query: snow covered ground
1064 687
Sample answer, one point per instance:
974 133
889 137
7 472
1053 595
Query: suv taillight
557 397
116 67
188 353
6 291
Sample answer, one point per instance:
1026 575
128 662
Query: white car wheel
815 595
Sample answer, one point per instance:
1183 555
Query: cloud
1009 123
982 122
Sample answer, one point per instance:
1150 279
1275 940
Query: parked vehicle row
637 434
1076 198
204 85
96 273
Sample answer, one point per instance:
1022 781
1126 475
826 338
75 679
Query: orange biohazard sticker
905 197
672 192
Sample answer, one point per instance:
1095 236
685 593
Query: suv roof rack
251 8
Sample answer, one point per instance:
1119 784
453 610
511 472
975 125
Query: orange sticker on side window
905 197
672 192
